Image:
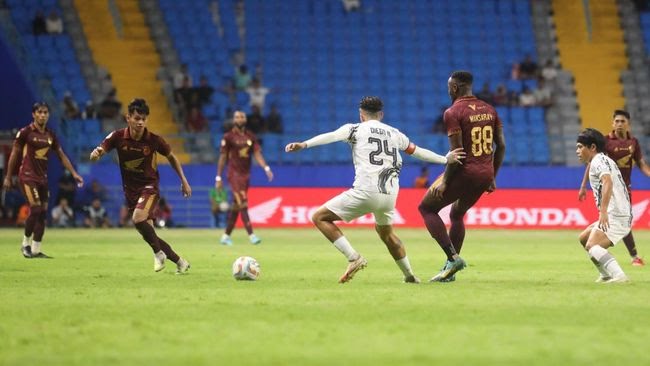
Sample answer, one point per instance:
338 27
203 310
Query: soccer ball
224 206
245 268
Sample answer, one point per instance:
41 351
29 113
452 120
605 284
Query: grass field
527 298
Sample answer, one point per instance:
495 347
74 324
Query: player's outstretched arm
582 193
644 167
68 165
341 134
178 168
453 157
13 157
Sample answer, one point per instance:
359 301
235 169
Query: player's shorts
239 187
354 203
143 199
470 189
619 227
37 194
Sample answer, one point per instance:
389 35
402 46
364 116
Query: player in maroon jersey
237 147
475 126
137 150
34 143
624 149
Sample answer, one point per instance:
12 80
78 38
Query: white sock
27 241
225 236
405 266
607 261
36 247
160 255
343 245
603 272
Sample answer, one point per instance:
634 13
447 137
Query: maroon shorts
36 194
143 199
239 187
465 189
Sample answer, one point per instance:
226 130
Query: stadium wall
16 95
343 175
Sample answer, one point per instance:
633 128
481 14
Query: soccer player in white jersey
377 163
613 202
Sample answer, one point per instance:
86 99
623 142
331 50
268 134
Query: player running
475 126
624 149
137 150
377 164
34 143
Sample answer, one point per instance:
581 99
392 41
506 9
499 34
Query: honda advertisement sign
505 208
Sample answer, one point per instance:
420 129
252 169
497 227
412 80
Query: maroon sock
457 231
39 226
31 221
149 235
630 244
246 220
169 252
232 219
438 231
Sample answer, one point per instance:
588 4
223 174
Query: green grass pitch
527 298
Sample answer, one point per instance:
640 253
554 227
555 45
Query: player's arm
178 168
643 166
455 142
223 158
13 157
582 193
606 181
260 160
499 149
341 134
427 155
68 165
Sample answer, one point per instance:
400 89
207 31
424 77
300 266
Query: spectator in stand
69 107
164 214
89 112
204 91
542 94
92 192
230 90
255 121
242 78
67 188
183 94
422 180
38 24
196 121
63 214
485 94
96 215
257 93
549 71
528 68
274 121
500 97
111 106
181 76
527 99
54 23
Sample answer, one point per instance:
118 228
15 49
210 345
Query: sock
600 269
343 245
36 247
247 221
230 222
438 231
607 261
30 222
405 266
39 226
27 241
149 235
457 230
167 249
630 245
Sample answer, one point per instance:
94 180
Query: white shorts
353 203
618 228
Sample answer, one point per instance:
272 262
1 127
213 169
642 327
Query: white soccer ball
224 206
245 268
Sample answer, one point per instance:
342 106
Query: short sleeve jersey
477 121
35 146
625 152
619 203
375 153
138 159
239 148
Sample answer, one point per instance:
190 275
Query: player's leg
630 244
457 214
39 226
397 251
246 219
583 238
30 192
346 206
233 214
597 245
429 208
